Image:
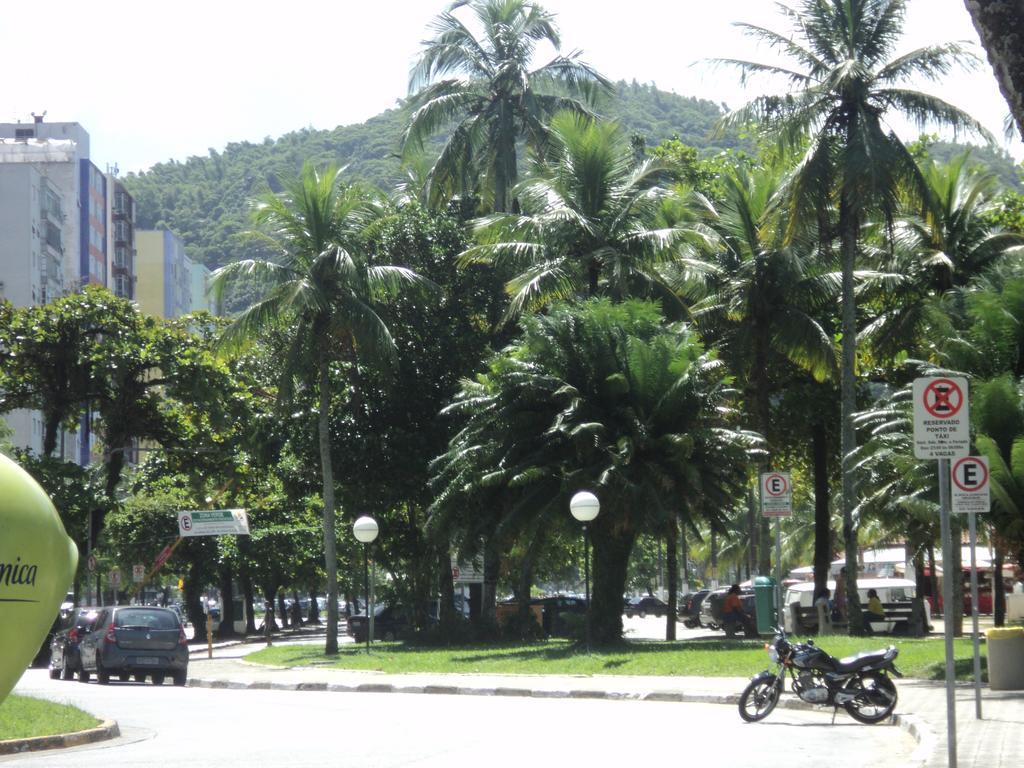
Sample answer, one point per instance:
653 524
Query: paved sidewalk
996 741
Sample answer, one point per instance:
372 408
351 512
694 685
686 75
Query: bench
897 619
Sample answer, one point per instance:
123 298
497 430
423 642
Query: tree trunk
998 591
446 588
247 595
492 568
933 579
313 617
918 624
612 545
822 516
752 532
226 629
714 559
956 572
330 544
672 575
1000 25
849 236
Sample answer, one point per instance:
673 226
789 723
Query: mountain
204 200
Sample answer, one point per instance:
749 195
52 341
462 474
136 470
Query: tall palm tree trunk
822 518
848 232
672 575
330 543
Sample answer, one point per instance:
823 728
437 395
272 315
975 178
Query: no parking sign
776 494
969 477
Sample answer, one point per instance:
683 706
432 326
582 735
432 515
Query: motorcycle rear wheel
758 699
876 698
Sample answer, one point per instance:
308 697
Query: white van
896 596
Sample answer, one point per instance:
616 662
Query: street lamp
365 530
584 506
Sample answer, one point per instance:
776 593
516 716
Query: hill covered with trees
204 200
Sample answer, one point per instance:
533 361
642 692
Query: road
236 728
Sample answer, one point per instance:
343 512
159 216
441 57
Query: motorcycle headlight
773 655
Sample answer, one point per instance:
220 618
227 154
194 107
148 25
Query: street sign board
114 578
969 477
941 418
91 564
138 573
468 573
213 522
776 494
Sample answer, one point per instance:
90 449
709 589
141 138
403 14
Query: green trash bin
764 602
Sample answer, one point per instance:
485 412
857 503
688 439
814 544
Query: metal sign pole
974 613
947 609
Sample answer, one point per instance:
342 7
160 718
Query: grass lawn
704 658
22 717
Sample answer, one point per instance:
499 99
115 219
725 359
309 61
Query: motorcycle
860 684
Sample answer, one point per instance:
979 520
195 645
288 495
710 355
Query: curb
105 730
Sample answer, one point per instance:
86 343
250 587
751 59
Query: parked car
641 606
135 641
65 660
555 609
390 622
60 622
689 608
711 606
689 605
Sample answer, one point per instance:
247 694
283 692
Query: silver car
135 641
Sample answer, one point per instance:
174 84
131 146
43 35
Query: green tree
320 288
494 99
765 308
600 396
46 356
998 414
591 223
949 240
843 85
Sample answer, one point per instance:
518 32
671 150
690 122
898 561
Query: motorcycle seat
863 659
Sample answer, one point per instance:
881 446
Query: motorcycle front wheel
759 699
875 699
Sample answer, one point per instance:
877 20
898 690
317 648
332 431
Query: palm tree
762 312
321 292
493 98
600 396
591 223
844 82
946 242
998 414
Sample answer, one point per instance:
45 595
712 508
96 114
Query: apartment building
63 224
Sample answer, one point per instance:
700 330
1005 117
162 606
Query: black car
65 660
689 606
641 606
137 641
390 622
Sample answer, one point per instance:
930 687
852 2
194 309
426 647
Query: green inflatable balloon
37 564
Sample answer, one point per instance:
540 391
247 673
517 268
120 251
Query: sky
153 81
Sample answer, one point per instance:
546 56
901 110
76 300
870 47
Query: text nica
18 573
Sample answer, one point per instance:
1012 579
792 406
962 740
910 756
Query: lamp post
365 530
584 506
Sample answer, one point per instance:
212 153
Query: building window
53 238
